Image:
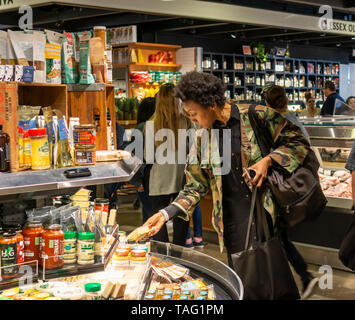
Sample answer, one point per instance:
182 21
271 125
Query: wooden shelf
148 46
163 65
37 84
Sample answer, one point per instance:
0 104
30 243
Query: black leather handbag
347 247
298 194
263 266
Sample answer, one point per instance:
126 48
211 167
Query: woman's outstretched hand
155 223
260 168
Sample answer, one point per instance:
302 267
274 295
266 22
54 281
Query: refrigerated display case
331 139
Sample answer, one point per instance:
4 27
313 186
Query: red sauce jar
32 233
8 254
52 247
20 241
102 205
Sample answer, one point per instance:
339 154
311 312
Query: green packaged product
86 76
69 65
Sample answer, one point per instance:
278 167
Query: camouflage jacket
202 176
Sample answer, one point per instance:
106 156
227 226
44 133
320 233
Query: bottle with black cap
4 151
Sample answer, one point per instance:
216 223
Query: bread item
139 233
112 217
119 290
109 288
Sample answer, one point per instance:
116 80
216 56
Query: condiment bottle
20 241
52 247
86 248
8 251
92 291
4 151
160 292
32 233
21 157
176 292
26 149
69 247
39 149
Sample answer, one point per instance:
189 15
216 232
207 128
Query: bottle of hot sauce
52 247
8 254
20 241
32 233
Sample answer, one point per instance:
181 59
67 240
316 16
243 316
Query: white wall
344 81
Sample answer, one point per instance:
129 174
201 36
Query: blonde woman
166 180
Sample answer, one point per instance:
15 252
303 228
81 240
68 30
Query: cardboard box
9 118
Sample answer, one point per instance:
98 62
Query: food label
85 137
63 130
37 241
9 258
51 244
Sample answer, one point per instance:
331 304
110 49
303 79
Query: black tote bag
347 247
298 194
263 267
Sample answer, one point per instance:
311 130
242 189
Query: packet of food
53 50
70 219
22 44
42 215
97 59
86 76
139 233
11 57
69 65
39 57
3 49
52 139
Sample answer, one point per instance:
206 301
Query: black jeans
180 226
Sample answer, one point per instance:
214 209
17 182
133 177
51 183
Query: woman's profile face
311 102
352 103
203 117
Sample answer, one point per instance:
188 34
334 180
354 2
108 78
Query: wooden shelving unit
243 75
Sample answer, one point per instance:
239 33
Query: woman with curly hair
203 100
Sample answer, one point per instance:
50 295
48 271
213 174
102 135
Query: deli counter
319 241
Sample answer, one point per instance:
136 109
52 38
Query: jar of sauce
52 247
102 205
32 233
39 149
85 154
20 241
84 134
8 250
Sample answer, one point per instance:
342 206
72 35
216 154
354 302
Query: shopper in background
204 101
275 97
350 165
166 180
311 110
141 178
349 107
351 102
197 241
332 96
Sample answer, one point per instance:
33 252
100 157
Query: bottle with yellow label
27 149
20 147
39 149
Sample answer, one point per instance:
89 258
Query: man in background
332 96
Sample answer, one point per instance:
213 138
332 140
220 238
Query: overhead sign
210 11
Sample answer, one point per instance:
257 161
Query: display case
331 139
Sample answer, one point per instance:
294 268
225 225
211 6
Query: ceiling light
353 38
338 44
234 35
322 35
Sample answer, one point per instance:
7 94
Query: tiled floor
343 282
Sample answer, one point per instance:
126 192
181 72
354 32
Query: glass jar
32 233
93 291
39 149
85 154
121 256
138 256
69 247
84 134
8 251
86 248
52 247
20 240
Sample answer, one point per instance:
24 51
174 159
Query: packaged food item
51 134
64 158
97 59
69 66
85 155
18 76
22 44
53 50
39 149
93 291
20 240
11 57
138 256
86 248
39 57
84 134
139 233
119 290
70 244
70 219
112 217
8 250
108 290
27 149
9 73
3 49
73 122
32 233
4 151
70 293
2 72
20 147
86 76
100 31
28 73
121 256
52 247
50 287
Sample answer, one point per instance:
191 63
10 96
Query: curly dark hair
202 88
145 110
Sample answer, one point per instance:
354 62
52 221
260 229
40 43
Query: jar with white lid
86 248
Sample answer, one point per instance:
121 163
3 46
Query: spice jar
102 205
20 240
52 247
8 250
86 248
138 256
121 256
85 154
39 149
93 291
69 247
32 233
84 134
26 149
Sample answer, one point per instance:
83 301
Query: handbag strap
262 218
261 132
251 216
